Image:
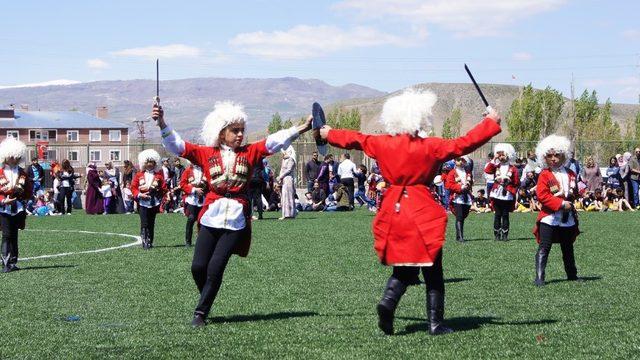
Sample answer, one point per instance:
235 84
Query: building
59 135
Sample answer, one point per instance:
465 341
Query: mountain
465 97
188 101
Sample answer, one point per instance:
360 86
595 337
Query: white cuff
281 139
172 141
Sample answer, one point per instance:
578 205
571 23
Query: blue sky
386 45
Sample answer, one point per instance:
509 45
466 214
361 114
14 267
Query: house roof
57 120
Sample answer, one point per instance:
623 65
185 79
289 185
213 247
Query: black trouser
192 217
462 211
502 209
349 184
148 220
213 250
66 193
255 196
555 234
433 275
10 238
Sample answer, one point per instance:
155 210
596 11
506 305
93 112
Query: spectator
333 181
346 172
318 196
287 181
524 201
625 175
112 174
128 172
361 194
256 189
634 165
176 190
480 203
93 197
311 170
67 178
36 174
127 198
614 180
592 175
274 199
323 174
488 178
341 198
107 195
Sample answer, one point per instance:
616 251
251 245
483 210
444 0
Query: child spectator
480 203
105 189
524 201
127 197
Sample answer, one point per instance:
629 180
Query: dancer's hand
9 200
324 132
306 126
493 115
157 113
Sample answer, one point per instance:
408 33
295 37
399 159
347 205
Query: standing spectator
592 175
127 198
286 179
634 165
36 175
107 195
178 169
256 188
346 171
323 174
67 177
167 176
311 170
531 165
128 172
625 175
614 180
112 173
575 166
267 174
93 196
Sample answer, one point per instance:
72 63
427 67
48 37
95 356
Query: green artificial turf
308 290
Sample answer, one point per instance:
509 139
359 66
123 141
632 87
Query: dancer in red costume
557 221
504 189
409 229
459 182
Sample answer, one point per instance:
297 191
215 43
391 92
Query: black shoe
541 264
435 313
198 321
187 244
498 234
13 267
460 231
385 319
575 278
6 269
538 282
505 235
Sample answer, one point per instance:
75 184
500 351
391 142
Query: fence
81 154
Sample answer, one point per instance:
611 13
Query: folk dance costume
15 190
504 188
409 228
148 188
557 221
194 185
225 223
459 182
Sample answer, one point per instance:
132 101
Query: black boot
498 234
198 321
541 264
435 313
459 231
505 234
144 235
387 306
569 261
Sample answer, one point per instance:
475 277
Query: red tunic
235 186
24 194
551 203
410 226
187 183
453 184
512 186
138 180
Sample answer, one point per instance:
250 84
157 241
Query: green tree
276 123
451 125
340 118
287 124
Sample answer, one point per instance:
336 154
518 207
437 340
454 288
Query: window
115 135
53 135
50 155
74 155
95 135
37 135
95 155
73 136
14 134
114 155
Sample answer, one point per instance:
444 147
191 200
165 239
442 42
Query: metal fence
81 154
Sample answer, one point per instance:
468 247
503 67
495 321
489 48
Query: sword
156 99
484 100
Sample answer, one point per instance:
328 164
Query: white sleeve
279 140
172 141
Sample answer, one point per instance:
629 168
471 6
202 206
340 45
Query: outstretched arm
445 149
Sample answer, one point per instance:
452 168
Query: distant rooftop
57 120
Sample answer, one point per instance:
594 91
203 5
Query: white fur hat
408 112
11 147
507 149
224 114
148 155
558 144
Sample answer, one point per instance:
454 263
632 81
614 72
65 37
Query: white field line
137 242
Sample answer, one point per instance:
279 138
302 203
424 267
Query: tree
534 115
276 123
451 125
344 119
287 124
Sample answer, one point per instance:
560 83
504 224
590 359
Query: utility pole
141 130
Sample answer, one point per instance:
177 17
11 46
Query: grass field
309 289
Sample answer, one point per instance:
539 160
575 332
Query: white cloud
522 56
466 18
631 34
60 82
304 41
626 88
97 64
162 52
